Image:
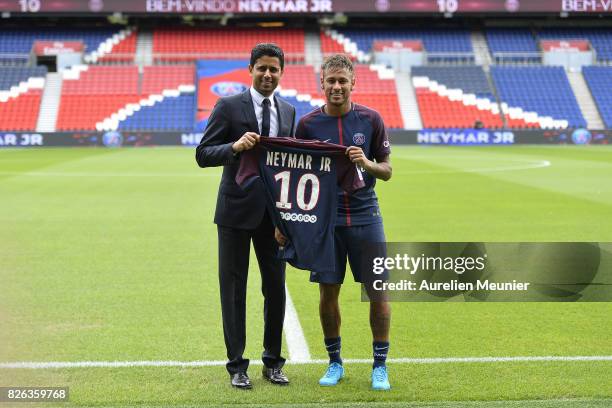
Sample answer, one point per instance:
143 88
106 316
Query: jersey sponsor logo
359 139
298 217
228 88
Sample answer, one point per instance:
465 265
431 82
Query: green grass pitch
110 255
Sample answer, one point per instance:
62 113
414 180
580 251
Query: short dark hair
267 49
337 61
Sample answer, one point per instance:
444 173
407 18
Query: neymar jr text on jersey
296 161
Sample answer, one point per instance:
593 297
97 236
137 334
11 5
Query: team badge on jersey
359 139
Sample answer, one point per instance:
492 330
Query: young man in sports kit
359 220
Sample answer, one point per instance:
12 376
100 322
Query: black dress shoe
241 380
275 376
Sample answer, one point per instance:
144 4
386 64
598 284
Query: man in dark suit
234 126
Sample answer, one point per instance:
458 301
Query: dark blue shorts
358 244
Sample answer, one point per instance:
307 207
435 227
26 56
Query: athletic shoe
334 373
380 379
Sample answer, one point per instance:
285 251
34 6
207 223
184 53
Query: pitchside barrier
457 137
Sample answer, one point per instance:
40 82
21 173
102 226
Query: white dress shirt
258 105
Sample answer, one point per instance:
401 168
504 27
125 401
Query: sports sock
380 350
333 346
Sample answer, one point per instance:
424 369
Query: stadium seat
190 44
599 80
512 45
599 37
17 42
435 41
443 110
20 95
543 90
102 92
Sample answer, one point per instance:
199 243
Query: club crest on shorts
359 139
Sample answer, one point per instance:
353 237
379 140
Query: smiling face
266 73
337 84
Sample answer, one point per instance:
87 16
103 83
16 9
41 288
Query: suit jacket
231 117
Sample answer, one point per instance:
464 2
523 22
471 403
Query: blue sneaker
334 373
380 379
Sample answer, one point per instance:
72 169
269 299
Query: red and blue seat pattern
20 96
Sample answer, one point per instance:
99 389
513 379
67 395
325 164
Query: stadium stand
303 79
455 97
377 90
155 79
93 95
190 44
20 93
459 94
512 44
599 37
442 45
599 80
173 113
174 110
331 45
101 43
542 93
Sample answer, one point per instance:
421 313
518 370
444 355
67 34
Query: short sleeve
300 132
381 147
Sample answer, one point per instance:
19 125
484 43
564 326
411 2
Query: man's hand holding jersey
279 237
246 142
380 170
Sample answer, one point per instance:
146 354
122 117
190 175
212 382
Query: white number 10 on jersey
285 177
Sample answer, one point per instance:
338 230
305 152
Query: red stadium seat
20 113
189 44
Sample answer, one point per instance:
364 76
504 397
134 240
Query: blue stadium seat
12 76
510 41
469 79
434 41
20 40
599 80
172 114
544 90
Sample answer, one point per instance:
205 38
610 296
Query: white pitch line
103 174
296 342
439 360
528 165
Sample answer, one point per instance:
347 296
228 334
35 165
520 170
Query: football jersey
301 178
361 127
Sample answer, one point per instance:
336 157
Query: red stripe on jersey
346 196
348 210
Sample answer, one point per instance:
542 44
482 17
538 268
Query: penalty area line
214 363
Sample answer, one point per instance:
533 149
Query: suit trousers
234 250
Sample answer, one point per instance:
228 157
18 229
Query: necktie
265 118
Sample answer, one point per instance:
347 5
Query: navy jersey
301 178
362 127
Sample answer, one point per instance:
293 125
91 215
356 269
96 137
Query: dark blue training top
362 127
301 179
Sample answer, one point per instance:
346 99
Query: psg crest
228 88
359 139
